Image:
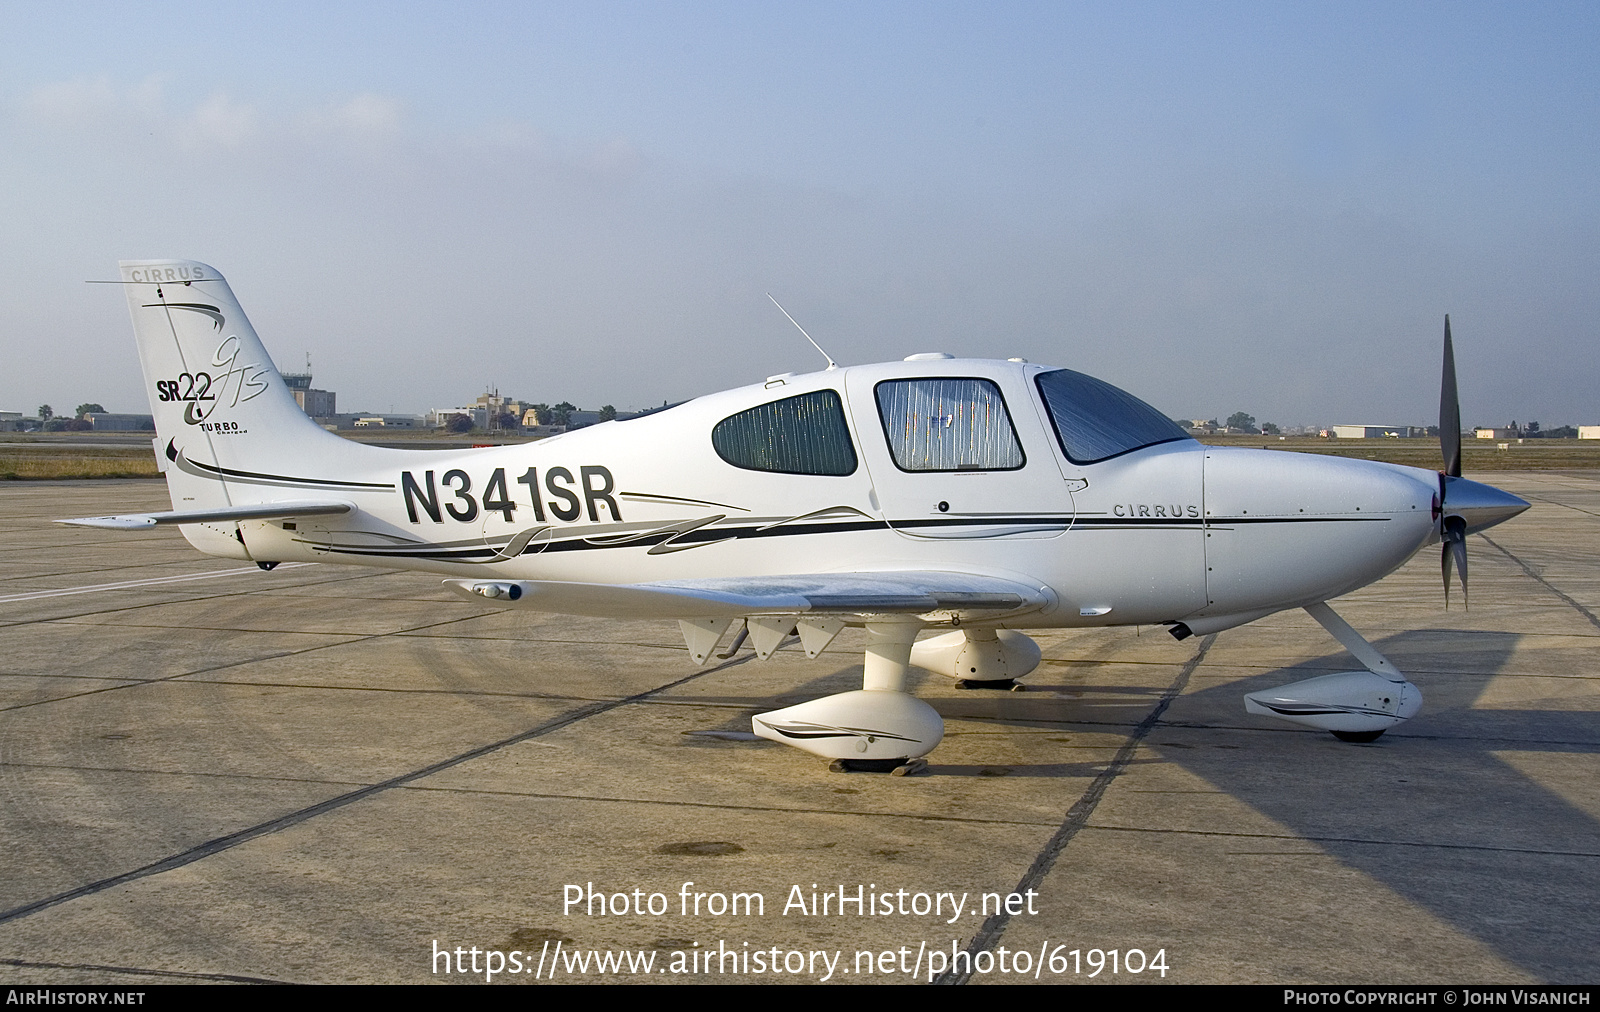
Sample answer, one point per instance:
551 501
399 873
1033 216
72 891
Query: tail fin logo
193 307
182 273
231 385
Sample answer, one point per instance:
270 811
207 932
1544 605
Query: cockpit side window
954 424
797 435
1095 421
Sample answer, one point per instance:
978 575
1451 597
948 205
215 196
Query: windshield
1095 421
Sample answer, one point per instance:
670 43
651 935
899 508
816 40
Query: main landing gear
878 728
881 727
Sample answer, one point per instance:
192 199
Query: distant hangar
1379 431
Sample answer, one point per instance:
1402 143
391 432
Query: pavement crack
231 840
320 582
1429 844
141 971
1077 816
723 806
1585 612
227 664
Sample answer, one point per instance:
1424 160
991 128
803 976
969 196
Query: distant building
10 421
501 405
526 418
1483 433
479 416
494 409
316 403
387 422
1589 432
486 413
106 421
1378 431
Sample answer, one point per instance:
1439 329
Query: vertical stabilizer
224 417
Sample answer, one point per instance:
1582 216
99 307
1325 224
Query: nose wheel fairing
1355 705
1349 702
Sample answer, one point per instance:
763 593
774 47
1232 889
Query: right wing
865 594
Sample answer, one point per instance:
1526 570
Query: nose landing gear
1356 706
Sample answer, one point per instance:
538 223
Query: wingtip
114 523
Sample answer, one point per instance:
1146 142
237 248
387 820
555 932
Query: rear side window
797 435
951 424
1094 420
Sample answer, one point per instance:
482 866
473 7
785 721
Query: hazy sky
1267 207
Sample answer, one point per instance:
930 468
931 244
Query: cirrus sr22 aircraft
970 498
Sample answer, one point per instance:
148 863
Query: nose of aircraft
1282 528
1481 506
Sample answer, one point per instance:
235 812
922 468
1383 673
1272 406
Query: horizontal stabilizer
221 514
901 593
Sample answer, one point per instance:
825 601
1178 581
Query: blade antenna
831 363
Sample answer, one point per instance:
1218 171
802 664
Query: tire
1357 737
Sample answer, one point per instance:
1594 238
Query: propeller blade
1459 550
1449 410
1453 534
1444 570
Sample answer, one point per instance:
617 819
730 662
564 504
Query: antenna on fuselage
831 363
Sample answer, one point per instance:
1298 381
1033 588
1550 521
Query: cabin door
958 457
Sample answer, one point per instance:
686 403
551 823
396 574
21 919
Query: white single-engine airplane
974 496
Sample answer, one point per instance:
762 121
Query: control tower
316 403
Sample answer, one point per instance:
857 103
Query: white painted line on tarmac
155 581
